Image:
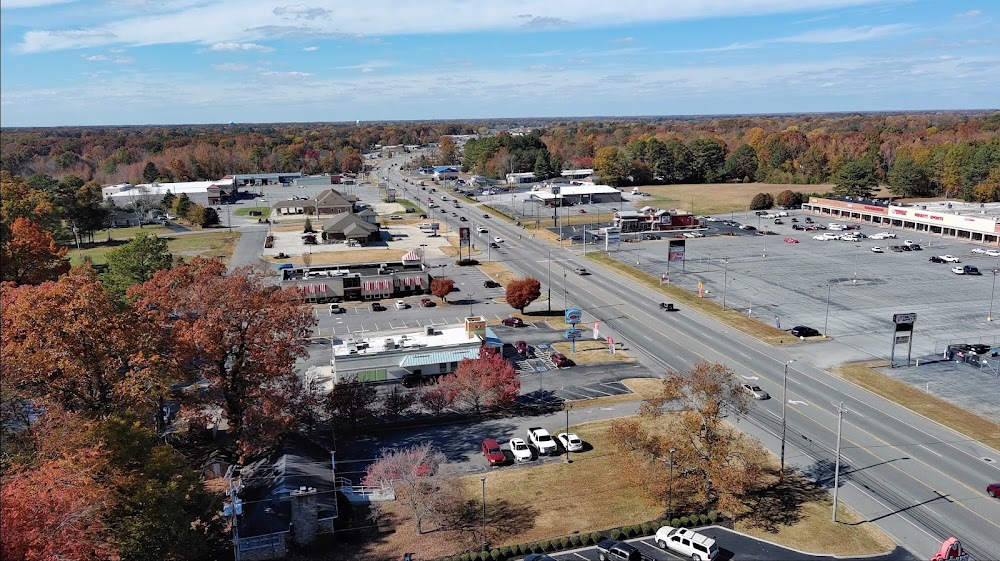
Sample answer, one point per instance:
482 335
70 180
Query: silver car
756 392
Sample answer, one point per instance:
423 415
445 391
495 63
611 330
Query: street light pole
670 494
784 404
725 281
989 316
568 407
826 320
486 543
548 279
836 469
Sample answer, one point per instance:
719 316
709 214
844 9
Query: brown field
211 243
341 257
590 494
592 352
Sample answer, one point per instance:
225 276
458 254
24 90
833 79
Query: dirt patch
592 352
498 272
645 388
759 330
984 430
288 227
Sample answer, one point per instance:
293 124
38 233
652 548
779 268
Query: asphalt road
919 481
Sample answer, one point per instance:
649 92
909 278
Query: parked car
950 259
522 348
560 360
426 303
687 543
512 322
936 259
970 270
519 448
648 237
778 221
798 227
791 240
336 309
377 307
821 238
613 550
494 455
570 441
755 392
978 250
959 270
905 248
285 266
401 305
898 249
542 440
993 252
877 250
803 331
491 284
916 247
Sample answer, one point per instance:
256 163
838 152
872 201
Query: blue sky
82 62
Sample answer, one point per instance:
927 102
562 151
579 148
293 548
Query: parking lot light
784 403
989 316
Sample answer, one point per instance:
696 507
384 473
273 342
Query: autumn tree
351 401
725 464
741 165
417 474
29 254
436 399
442 287
761 201
395 402
448 151
19 199
240 333
134 263
74 346
788 198
522 292
489 381
610 163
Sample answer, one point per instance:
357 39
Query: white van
687 543
834 226
635 190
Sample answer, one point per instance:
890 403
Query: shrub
675 522
761 201
564 543
616 534
713 516
548 545
463 557
495 554
467 262
536 547
505 551
574 540
637 530
585 539
524 549
703 519
595 537
685 521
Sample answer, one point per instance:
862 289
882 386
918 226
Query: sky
136 62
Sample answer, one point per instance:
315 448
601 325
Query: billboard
676 251
666 219
464 237
573 316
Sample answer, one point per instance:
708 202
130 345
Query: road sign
899 319
573 316
573 334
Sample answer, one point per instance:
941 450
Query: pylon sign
902 334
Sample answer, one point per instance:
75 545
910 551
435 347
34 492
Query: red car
560 360
494 455
426 303
522 348
791 240
993 490
512 322
583 211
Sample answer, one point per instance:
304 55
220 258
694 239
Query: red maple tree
442 287
242 335
30 255
522 292
489 381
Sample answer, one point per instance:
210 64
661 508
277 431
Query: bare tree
142 200
418 475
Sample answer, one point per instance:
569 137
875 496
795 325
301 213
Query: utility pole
486 544
826 320
670 494
548 280
568 407
836 470
784 405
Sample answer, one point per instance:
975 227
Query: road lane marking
929 450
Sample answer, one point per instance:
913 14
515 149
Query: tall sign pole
903 333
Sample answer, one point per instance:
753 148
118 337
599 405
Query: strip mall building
973 222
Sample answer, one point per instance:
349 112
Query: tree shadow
780 504
503 519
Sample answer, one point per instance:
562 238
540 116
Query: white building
200 192
515 178
560 195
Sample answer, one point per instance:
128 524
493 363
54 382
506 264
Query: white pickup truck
542 440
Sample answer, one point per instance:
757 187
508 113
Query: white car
950 259
519 448
993 252
481 230
689 235
497 239
401 305
877 250
958 270
687 543
570 441
850 239
821 238
978 250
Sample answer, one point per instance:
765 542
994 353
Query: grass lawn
407 204
211 243
590 494
265 211
714 198
762 331
984 430
592 352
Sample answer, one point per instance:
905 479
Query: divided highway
919 481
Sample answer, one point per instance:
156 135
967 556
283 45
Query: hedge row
583 540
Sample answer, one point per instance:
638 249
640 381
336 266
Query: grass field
265 211
984 430
590 494
592 352
212 243
714 198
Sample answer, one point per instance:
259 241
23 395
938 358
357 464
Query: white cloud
367 69
230 67
845 34
93 58
13 4
624 40
969 14
241 47
310 49
238 21
278 74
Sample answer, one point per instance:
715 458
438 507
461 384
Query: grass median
750 326
981 429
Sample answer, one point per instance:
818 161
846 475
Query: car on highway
978 250
494 455
791 240
877 250
491 284
570 441
497 239
755 392
803 331
950 259
481 230
580 271
462 219
427 303
512 322
993 490
486 215
494 245
519 448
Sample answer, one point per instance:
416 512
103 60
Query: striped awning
381 285
411 256
411 281
314 289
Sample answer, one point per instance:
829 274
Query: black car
899 249
915 247
491 284
803 331
905 248
377 307
461 218
798 227
494 245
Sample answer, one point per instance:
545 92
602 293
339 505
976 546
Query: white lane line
929 450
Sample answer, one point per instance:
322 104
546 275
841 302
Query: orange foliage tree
489 380
522 292
240 333
67 342
30 255
442 287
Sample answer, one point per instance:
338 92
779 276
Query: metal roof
439 357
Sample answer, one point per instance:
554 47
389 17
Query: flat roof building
361 281
584 193
201 192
